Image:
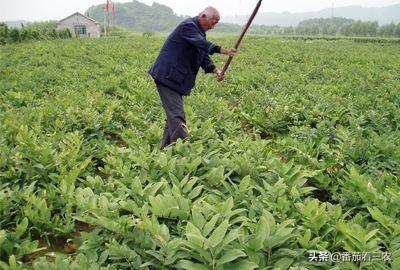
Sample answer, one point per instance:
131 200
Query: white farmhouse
80 25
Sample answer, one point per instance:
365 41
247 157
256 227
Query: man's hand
218 74
230 53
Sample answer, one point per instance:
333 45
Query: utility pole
106 16
105 23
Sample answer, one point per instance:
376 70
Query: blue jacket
184 52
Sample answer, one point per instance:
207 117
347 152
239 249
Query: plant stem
213 260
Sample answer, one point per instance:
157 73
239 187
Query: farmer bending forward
174 71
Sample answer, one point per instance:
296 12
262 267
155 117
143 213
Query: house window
80 29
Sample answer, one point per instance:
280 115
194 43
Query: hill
137 16
383 15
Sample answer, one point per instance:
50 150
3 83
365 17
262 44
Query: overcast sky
34 10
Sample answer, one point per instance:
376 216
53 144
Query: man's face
209 24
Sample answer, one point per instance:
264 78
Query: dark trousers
175 127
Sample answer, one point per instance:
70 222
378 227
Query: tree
312 29
3 33
373 29
53 34
288 30
387 30
397 31
347 29
358 29
300 30
35 35
14 35
25 34
329 29
65 33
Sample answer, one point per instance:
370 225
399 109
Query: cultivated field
297 151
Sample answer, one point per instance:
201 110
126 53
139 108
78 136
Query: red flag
106 5
113 9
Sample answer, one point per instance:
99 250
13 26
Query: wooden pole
246 27
105 23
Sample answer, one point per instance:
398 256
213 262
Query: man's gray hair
209 12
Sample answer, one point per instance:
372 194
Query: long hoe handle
246 27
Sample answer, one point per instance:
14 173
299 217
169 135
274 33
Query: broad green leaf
235 212
195 192
304 241
13 263
188 265
194 235
243 265
189 185
197 218
231 236
152 188
271 221
228 205
21 228
3 236
194 164
4 266
230 255
370 235
210 225
198 252
218 234
176 181
216 175
244 184
262 231
279 238
283 263
376 214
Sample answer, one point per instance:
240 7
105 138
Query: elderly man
175 69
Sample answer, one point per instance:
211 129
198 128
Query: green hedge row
14 35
